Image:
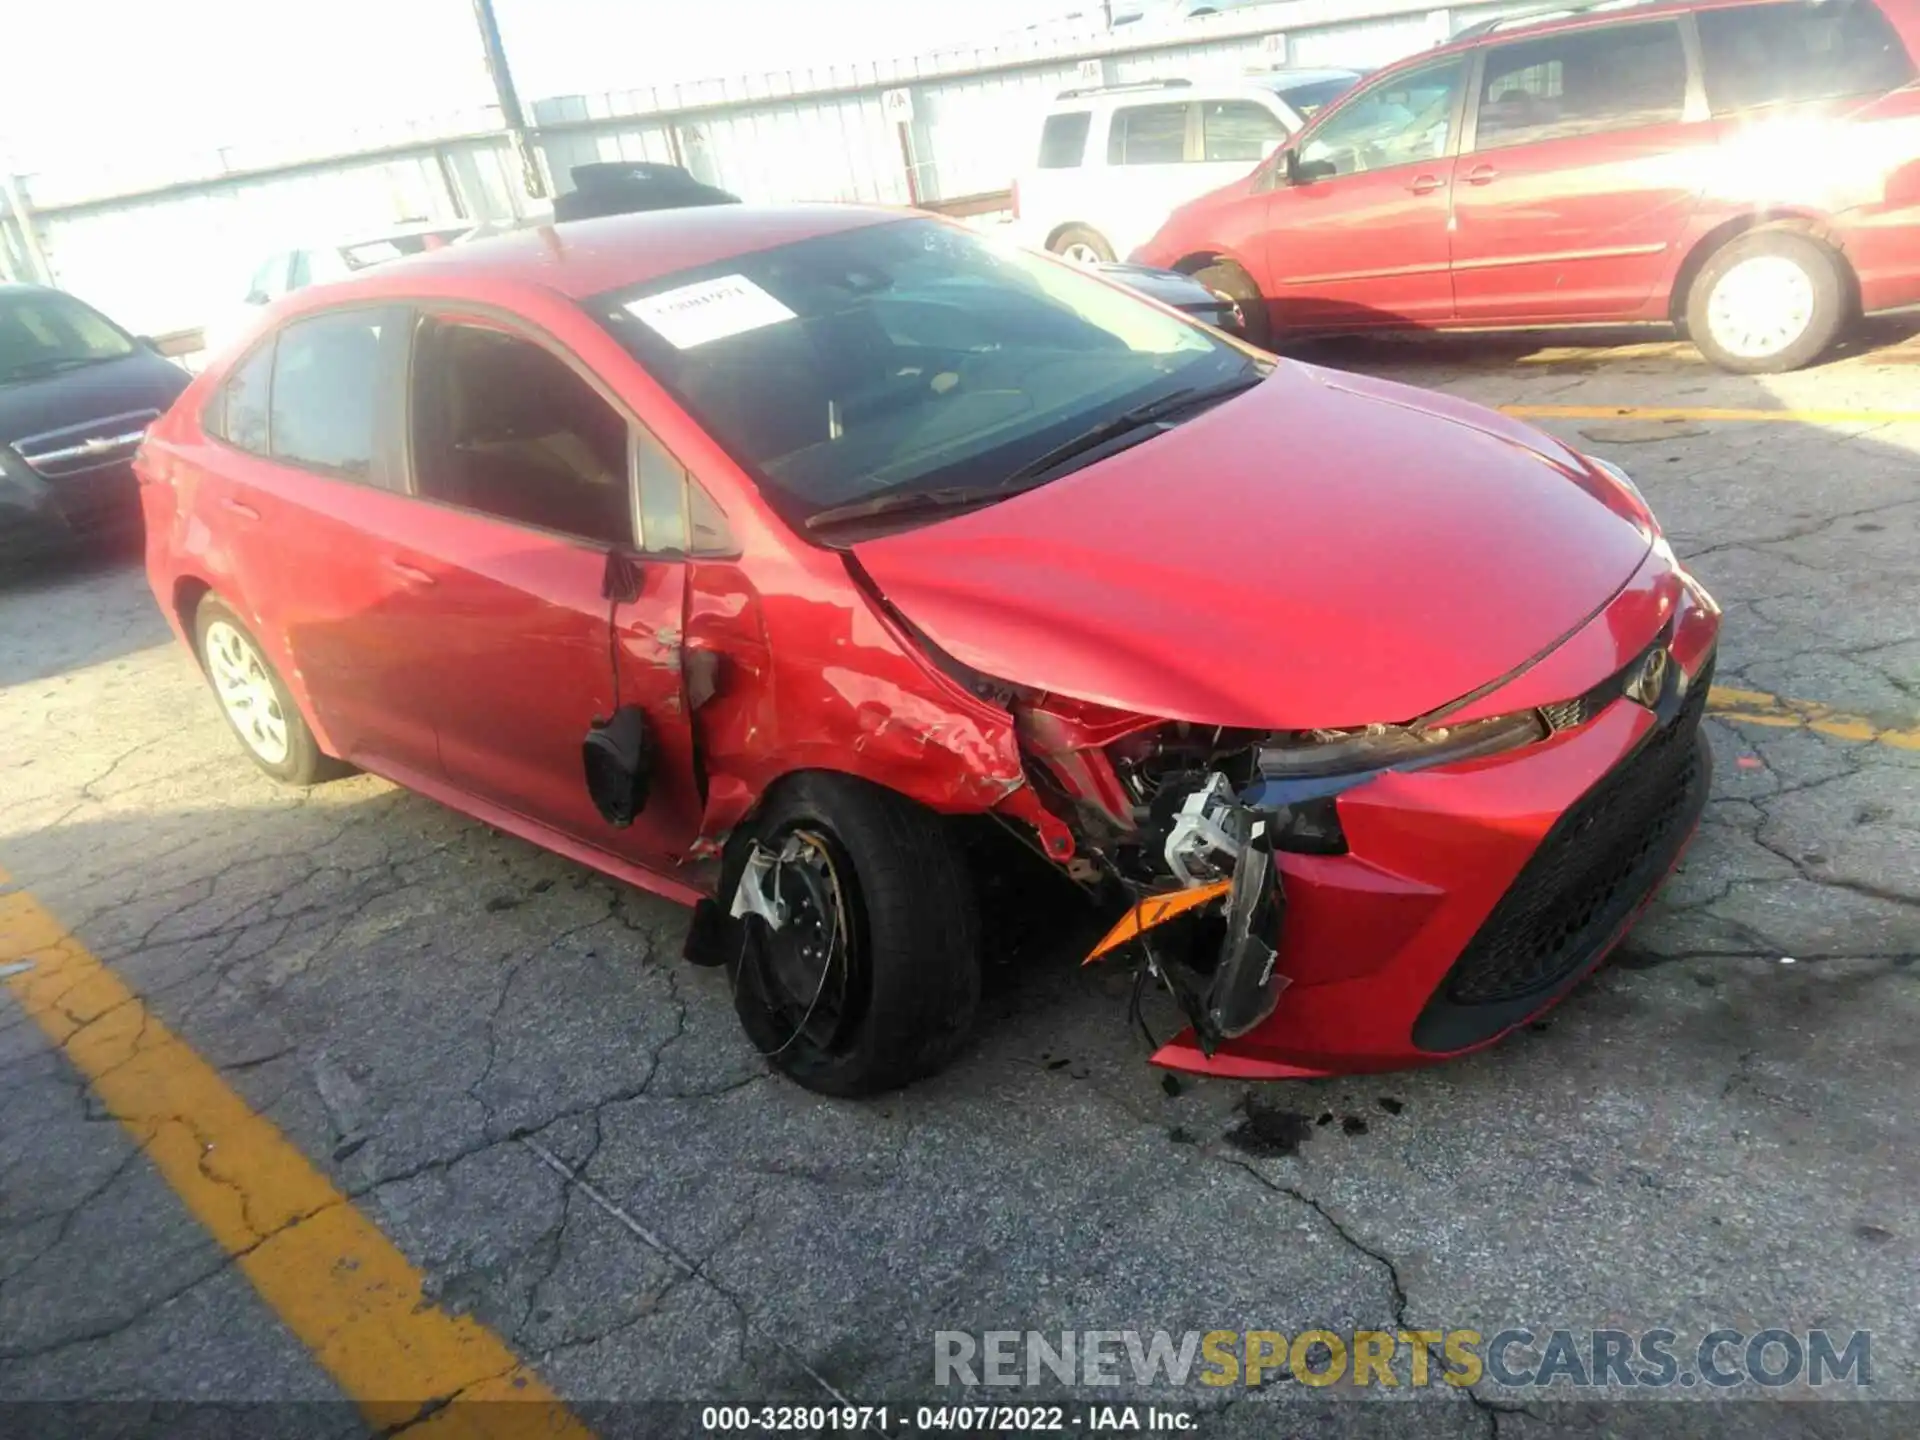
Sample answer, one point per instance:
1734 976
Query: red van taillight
1015 203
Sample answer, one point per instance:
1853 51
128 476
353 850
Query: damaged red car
758 556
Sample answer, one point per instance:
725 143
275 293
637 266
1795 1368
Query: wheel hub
246 692
806 965
1761 306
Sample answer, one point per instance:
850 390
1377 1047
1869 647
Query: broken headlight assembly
1213 832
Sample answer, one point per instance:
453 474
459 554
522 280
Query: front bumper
1474 896
41 517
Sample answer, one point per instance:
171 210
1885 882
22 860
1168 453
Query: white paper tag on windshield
711 310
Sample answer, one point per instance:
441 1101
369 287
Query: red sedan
746 554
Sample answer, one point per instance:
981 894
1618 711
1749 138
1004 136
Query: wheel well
1722 235
1194 264
1053 237
188 592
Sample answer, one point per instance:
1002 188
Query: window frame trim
441 308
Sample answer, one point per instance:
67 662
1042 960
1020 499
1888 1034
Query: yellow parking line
1756 707
336 1282
1662 412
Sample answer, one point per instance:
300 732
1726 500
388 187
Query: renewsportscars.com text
1517 1358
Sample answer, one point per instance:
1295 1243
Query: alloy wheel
246 691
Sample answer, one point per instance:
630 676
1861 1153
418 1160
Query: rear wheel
1082 245
255 700
871 979
1769 301
1223 277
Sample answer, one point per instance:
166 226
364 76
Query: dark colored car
767 557
76 395
1748 170
1182 292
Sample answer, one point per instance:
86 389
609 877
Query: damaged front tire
855 958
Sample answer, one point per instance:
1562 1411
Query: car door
309 504
1148 173
1356 222
1585 157
1236 134
530 470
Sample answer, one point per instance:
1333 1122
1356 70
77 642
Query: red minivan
1747 170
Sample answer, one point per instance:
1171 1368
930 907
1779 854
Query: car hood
1323 551
140 381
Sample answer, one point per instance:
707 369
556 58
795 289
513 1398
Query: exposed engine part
757 892
1208 832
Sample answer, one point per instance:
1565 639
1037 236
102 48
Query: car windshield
43 332
905 357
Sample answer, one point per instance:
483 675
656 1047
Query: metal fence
928 129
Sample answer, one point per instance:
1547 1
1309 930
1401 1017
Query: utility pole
509 99
37 267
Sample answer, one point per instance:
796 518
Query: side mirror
254 297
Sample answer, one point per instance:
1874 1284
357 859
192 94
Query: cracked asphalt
496 1056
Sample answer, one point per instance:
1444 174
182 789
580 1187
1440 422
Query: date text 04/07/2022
966 1419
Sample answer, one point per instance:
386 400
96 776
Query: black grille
1596 864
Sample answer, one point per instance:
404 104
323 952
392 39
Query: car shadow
1884 339
101 617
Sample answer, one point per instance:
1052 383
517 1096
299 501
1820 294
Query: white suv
1114 161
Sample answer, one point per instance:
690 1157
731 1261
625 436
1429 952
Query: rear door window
326 387
1781 53
1239 130
1148 135
1063 143
1583 82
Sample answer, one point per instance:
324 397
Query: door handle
1482 174
412 574
242 509
1426 184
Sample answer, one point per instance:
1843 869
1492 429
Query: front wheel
1226 278
870 979
255 700
1770 301
1083 246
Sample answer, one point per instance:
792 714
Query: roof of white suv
1271 82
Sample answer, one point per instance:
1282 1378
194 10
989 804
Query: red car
1747 171
765 557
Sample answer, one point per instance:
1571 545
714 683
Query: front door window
1402 121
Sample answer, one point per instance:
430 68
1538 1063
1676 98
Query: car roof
1551 17
1276 81
583 258
1284 79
